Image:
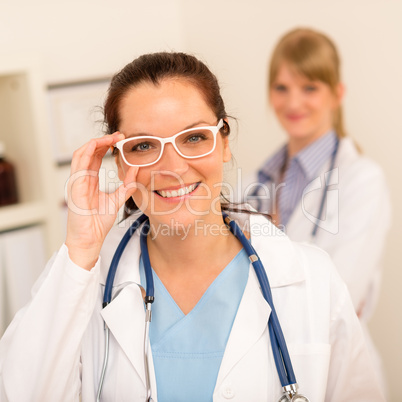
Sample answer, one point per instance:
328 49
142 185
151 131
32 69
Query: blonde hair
313 55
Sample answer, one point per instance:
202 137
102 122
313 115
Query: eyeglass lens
145 150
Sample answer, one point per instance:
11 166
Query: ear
339 94
227 153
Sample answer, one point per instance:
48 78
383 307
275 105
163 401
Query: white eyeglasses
147 150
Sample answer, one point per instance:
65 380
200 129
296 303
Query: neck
203 244
295 145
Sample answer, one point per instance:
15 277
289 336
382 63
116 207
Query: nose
294 99
171 161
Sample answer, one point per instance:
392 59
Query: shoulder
315 261
355 164
301 273
361 179
286 262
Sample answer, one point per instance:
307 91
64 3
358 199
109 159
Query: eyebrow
193 125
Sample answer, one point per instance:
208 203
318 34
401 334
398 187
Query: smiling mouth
179 192
294 117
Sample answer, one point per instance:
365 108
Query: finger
90 155
106 140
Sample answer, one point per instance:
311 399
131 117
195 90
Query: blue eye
280 88
195 138
141 147
310 88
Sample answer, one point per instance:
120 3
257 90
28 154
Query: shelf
21 215
24 131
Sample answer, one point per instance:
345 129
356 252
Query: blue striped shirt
299 171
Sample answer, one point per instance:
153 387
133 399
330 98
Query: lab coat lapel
250 323
125 315
279 259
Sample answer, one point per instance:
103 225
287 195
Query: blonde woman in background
320 187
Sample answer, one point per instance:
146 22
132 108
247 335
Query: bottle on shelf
8 183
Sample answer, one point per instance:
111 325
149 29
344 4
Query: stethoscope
323 197
278 343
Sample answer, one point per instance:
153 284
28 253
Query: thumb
128 188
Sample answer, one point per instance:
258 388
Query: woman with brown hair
87 332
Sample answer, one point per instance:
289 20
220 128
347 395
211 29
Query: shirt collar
271 169
310 158
313 157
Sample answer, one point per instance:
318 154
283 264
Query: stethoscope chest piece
295 398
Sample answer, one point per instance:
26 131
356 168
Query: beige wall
89 38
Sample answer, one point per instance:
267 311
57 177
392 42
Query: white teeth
177 193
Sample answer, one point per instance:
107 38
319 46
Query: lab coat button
228 392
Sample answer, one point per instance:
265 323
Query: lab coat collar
276 251
127 270
274 248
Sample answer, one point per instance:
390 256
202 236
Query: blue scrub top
187 350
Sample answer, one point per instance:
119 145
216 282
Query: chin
174 216
295 131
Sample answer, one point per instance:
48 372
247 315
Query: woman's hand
92 213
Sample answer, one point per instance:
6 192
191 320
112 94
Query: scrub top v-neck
187 350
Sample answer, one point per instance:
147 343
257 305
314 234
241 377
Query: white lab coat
354 225
53 350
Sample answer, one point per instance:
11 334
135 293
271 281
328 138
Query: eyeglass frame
171 140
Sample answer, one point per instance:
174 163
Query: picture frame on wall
75 115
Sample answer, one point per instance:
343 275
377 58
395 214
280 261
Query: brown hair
154 68
313 55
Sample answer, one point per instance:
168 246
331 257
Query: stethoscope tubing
324 196
278 344
104 365
147 263
107 295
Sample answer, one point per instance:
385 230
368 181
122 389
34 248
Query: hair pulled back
154 68
313 55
